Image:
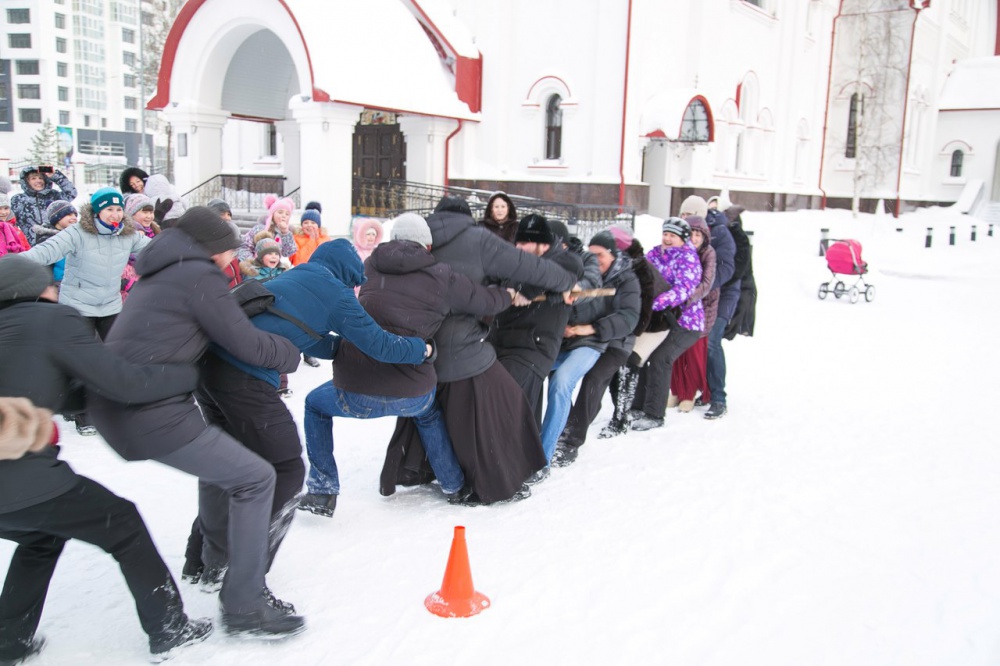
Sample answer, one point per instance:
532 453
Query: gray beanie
4 200
411 227
219 206
22 278
4 185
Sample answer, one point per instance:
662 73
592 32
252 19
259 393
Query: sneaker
165 646
716 411
276 603
86 430
266 623
321 505
192 571
565 455
211 579
685 405
539 476
646 423
30 650
612 429
672 401
310 361
285 392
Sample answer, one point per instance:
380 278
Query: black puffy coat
614 318
181 304
534 334
48 349
463 351
408 292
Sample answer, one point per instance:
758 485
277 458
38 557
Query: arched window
553 128
695 124
957 157
852 125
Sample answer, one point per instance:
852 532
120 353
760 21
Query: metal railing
243 192
389 198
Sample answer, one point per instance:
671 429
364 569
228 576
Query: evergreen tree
43 144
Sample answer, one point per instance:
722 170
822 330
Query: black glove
161 209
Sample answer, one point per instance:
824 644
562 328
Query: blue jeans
569 369
715 368
326 401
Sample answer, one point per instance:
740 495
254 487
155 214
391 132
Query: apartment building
71 63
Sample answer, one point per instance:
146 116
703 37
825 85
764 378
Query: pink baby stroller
843 257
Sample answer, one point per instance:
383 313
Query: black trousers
655 382
101 326
252 412
91 513
588 400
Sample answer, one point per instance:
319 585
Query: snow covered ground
845 512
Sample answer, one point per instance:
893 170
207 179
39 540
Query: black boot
627 380
321 505
163 646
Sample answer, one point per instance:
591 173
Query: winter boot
716 411
310 361
627 380
33 647
265 622
165 645
211 579
276 603
672 400
565 454
539 476
685 405
321 505
646 423
192 571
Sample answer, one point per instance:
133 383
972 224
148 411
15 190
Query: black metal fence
243 192
389 198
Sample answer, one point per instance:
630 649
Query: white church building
777 103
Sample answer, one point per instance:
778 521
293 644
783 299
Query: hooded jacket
363 247
484 258
95 258
181 304
47 347
533 334
681 268
651 285
320 293
614 318
29 206
408 292
704 292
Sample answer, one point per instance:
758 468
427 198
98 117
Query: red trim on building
181 24
468 71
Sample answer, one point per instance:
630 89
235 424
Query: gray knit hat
4 200
22 278
411 227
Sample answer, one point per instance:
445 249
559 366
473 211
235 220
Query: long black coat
409 292
47 347
181 304
463 351
533 334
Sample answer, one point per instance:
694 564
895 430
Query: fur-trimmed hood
89 225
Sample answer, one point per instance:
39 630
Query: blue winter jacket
320 293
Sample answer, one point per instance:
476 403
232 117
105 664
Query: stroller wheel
855 294
870 293
839 289
824 289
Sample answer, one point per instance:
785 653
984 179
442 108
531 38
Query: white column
425 146
201 128
326 135
291 153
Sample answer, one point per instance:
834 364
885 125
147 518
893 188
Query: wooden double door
379 154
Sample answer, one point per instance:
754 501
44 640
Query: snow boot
211 579
539 476
276 603
716 411
33 647
321 505
265 622
165 645
646 423
685 405
672 401
565 454
310 361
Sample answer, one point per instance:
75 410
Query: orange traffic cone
457 597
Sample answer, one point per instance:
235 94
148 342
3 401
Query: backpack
254 298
